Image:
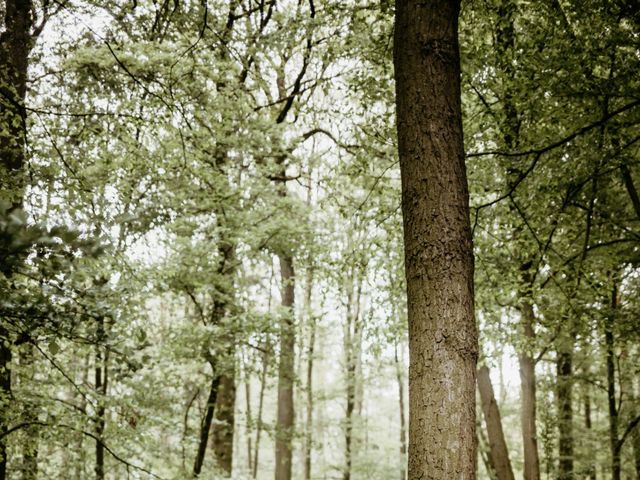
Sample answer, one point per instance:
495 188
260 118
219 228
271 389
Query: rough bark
437 237
497 444
15 45
222 438
286 373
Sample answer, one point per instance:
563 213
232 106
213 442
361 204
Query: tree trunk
497 444
225 419
564 366
528 395
443 344
286 372
15 45
611 386
29 415
311 320
205 426
263 384
591 469
101 382
351 340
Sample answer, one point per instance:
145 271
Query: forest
319 239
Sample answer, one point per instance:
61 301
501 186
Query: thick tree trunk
528 395
15 45
225 419
443 344
286 373
497 444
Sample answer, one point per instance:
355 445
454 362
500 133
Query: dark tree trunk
497 444
101 383
443 344
286 373
15 45
591 469
564 366
225 419
205 426
611 386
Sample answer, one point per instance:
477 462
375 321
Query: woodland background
200 227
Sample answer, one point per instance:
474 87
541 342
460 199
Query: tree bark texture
443 345
222 437
286 373
15 45
497 444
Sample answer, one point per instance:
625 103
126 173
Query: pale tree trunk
351 338
263 385
497 444
443 343
249 414
311 323
527 369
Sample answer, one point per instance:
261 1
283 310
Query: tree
437 234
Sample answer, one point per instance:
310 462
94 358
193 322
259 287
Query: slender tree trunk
564 366
101 383
591 471
249 415
611 386
497 444
15 45
443 343
205 426
528 395
311 321
286 373
29 415
351 337
401 409
263 384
